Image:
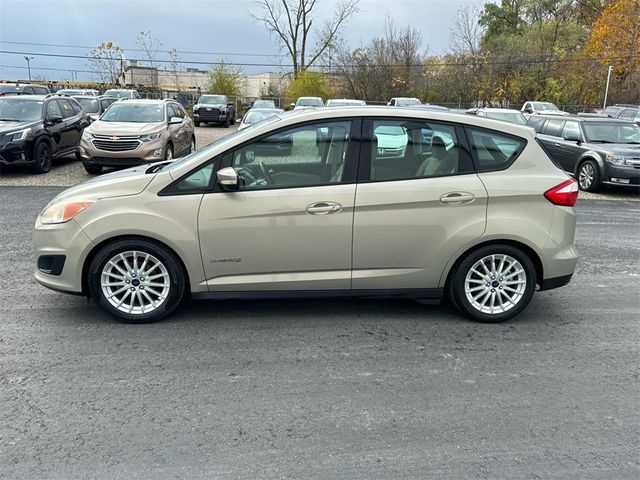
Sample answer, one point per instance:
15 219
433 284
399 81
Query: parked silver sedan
305 204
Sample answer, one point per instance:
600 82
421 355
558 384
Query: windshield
309 102
89 105
406 102
20 110
134 112
612 132
217 144
213 99
118 93
264 104
9 88
254 116
545 106
511 117
344 103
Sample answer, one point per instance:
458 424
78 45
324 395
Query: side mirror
573 138
228 178
55 119
175 120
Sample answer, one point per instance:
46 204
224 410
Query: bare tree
107 63
466 32
174 65
291 22
149 46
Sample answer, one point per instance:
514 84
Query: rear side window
536 123
76 106
554 127
41 90
28 91
65 107
627 114
492 150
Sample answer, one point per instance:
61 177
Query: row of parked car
117 129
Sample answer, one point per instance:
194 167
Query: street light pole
606 90
28 59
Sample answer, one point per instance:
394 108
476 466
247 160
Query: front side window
407 102
53 110
407 149
571 130
298 157
89 105
493 150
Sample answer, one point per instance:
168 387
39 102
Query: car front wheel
589 176
136 280
43 157
493 284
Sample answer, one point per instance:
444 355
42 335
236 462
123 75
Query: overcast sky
221 27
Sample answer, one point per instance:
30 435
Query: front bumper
16 153
210 116
147 152
621 175
60 240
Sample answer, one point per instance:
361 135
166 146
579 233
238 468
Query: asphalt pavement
336 389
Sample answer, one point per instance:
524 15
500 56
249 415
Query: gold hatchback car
323 203
134 132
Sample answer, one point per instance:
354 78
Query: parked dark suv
214 109
596 150
22 89
35 129
623 111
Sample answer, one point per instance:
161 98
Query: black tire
197 124
457 279
43 157
193 146
177 279
589 176
168 151
93 169
233 118
225 124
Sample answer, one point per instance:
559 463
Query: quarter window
304 156
492 150
407 149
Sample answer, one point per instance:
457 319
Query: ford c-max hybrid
470 209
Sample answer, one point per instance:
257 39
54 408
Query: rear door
551 137
70 126
415 210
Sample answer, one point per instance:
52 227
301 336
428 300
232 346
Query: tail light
565 194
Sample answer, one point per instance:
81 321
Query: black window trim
364 168
490 131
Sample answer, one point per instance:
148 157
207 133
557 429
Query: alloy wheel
586 175
135 282
495 284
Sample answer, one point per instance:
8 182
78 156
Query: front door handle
323 208
457 198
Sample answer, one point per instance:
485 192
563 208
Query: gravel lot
67 171
336 389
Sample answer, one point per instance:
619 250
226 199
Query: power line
236 54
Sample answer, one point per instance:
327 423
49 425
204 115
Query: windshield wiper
156 167
602 141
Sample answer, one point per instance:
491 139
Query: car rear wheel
136 280
493 284
43 157
589 176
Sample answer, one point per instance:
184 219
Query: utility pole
28 59
606 90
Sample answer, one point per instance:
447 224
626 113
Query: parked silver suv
468 208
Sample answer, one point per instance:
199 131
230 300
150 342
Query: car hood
6 126
124 128
625 149
211 105
116 184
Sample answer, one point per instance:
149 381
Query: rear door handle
457 198
323 208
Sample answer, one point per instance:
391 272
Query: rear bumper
557 282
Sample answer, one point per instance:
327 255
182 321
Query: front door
418 202
289 226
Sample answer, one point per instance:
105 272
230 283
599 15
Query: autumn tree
615 40
292 24
309 84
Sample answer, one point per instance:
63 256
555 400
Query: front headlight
616 159
195 108
150 137
63 211
20 134
87 136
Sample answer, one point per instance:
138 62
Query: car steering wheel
265 173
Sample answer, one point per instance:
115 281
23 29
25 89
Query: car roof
584 118
151 101
501 110
27 97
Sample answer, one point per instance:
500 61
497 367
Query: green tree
225 79
309 84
